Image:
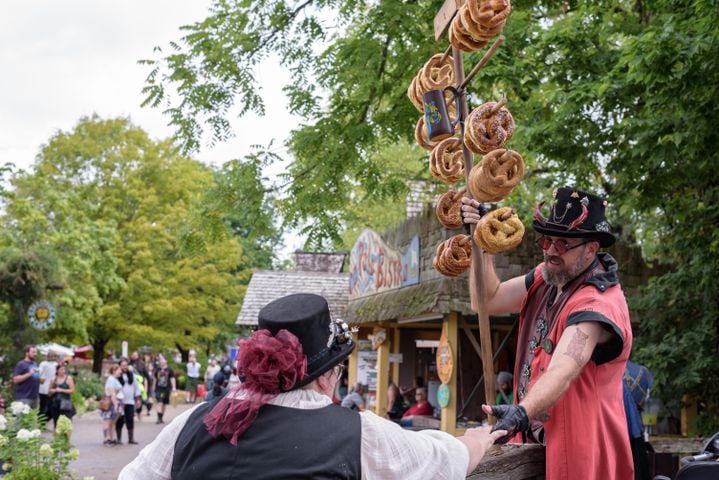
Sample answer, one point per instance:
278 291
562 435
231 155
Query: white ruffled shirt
387 450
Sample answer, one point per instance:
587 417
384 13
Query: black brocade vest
282 443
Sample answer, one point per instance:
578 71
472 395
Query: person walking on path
193 378
113 391
61 391
129 399
210 373
573 343
164 386
281 422
47 371
26 378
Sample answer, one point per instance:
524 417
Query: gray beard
563 276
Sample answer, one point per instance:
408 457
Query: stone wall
319 262
633 271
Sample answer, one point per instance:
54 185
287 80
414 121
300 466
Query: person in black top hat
573 342
281 423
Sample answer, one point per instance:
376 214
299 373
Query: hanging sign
375 267
443 395
445 362
379 335
41 314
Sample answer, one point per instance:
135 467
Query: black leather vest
282 443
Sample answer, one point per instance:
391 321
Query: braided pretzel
488 129
420 130
432 76
490 15
422 137
499 230
475 30
453 256
414 94
460 38
446 163
449 209
494 177
435 75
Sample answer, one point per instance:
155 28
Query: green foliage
25 454
89 385
617 97
25 276
115 209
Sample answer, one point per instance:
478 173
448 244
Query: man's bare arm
501 297
573 351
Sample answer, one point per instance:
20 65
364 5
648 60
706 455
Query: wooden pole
477 256
448 421
482 62
380 405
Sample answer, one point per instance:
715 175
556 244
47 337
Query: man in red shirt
573 343
419 409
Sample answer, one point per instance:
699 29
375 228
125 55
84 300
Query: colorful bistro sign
375 267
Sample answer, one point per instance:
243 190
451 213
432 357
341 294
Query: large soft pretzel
414 93
435 75
488 128
422 137
453 256
420 134
460 38
494 177
490 15
499 230
449 209
446 162
475 30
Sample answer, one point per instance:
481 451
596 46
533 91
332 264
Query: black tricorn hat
324 342
575 214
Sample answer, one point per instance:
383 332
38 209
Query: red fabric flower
270 365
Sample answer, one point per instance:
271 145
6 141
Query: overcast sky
61 60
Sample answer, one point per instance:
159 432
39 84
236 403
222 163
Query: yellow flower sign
41 314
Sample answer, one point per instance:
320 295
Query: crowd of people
136 383
278 409
47 386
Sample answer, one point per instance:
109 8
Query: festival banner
375 267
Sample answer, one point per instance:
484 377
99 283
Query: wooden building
395 294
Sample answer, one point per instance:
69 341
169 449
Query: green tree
25 276
113 206
614 96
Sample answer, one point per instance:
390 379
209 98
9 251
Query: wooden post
395 349
477 256
380 404
448 422
352 369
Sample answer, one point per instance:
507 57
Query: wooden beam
477 256
511 462
380 404
444 17
352 369
448 422
472 340
395 349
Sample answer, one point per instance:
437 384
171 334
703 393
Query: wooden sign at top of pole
441 22
444 17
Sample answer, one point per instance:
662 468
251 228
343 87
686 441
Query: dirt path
105 463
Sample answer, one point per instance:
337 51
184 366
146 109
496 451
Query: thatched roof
438 295
266 286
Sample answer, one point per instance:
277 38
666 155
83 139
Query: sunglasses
339 369
560 245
